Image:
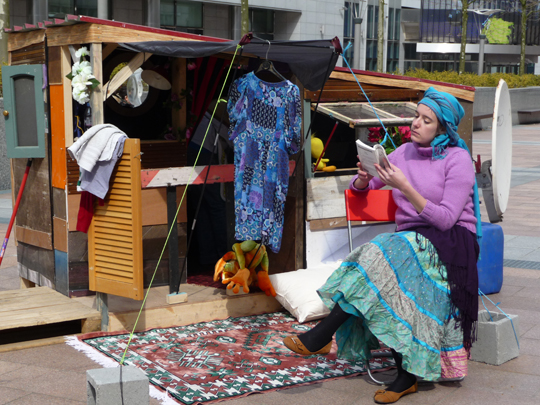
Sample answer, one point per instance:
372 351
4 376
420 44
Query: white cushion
297 291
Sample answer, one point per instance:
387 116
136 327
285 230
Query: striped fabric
401 298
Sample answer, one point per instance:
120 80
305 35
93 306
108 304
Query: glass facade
441 21
351 11
184 16
261 23
58 8
392 56
393 38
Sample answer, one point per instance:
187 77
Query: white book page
368 156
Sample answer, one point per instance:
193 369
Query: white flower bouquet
82 79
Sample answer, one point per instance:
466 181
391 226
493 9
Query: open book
369 155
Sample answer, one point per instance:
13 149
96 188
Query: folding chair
372 205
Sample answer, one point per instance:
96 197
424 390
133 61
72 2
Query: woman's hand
363 177
392 176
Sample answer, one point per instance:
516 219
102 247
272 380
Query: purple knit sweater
446 184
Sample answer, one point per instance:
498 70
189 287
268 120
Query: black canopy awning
310 61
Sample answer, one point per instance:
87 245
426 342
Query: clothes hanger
268 66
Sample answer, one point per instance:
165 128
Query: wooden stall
50 250
125 240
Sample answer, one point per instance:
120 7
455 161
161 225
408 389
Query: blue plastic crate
490 265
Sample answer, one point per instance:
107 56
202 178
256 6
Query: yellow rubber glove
265 284
240 279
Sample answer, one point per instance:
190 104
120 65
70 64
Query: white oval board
501 152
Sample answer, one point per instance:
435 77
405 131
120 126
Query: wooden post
96 98
96 103
68 106
179 121
174 265
178 83
102 305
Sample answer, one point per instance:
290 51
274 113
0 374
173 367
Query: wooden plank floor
43 306
204 304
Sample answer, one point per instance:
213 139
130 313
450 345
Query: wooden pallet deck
204 304
34 313
40 316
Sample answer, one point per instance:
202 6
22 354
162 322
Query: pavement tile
11 271
497 379
507 290
308 395
26 374
529 347
520 281
9 283
480 396
523 365
525 327
64 384
531 333
534 256
521 273
57 357
43 399
528 292
9 394
518 253
531 303
6 367
522 242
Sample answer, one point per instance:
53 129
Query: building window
59 8
184 16
392 56
411 57
352 10
371 41
261 23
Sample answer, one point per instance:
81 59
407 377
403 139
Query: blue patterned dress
265 128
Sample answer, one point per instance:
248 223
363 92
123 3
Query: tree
244 18
380 39
528 8
464 19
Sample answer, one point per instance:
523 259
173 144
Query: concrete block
177 298
118 385
496 343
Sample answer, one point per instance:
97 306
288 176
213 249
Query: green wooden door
24 111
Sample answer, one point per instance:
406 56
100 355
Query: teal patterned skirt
398 294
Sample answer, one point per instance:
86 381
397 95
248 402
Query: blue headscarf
449 113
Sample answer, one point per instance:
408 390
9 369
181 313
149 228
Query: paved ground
56 374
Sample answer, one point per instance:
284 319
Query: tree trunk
244 17
380 39
4 23
464 19
523 36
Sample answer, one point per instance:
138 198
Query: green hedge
472 79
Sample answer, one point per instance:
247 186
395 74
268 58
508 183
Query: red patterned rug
214 361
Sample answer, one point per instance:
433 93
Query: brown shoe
389 397
294 343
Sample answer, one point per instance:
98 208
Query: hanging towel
96 144
97 181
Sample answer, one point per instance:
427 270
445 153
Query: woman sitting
415 290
